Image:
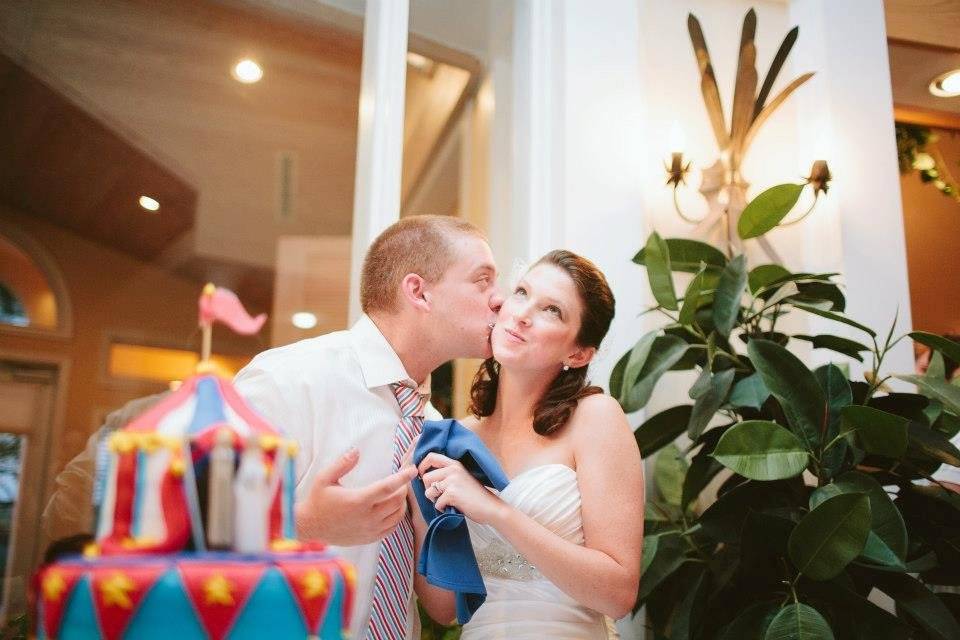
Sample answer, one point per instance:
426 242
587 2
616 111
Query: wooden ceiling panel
60 163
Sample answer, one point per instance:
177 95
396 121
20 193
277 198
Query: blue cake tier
195 596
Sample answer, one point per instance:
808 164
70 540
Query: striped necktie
391 588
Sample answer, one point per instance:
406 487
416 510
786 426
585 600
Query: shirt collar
379 363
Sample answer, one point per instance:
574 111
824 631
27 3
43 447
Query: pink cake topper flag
221 304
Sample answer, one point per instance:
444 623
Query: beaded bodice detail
547 493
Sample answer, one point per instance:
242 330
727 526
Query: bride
559 547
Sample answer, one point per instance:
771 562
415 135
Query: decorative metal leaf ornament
785 47
708 82
744 93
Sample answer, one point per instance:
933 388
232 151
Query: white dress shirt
331 393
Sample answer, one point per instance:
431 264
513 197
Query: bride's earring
566 367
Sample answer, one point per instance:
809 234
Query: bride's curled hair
566 390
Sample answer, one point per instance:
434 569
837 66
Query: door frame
37 475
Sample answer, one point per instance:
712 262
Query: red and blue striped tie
391 588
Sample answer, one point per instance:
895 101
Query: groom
354 400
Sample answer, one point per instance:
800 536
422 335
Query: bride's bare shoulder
598 405
598 413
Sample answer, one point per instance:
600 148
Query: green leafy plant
824 488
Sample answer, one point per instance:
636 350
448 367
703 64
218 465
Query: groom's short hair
421 244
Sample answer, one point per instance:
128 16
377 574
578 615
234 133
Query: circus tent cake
195 536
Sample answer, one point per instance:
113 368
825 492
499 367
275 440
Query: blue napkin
447 559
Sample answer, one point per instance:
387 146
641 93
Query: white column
376 200
568 149
526 64
847 115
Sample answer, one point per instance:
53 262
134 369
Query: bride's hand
449 484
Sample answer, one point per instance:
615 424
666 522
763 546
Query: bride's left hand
449 484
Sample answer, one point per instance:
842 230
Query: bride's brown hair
558 403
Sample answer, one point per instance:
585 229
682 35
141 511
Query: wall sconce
722 185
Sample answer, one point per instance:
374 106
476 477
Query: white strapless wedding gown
521 603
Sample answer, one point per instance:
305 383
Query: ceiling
104 100
59 163
930 22
924 38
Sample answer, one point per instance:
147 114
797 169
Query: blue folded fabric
447 559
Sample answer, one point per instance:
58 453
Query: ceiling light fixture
946 85
247 71
149 203
304 320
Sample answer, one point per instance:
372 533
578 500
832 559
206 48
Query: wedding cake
195 536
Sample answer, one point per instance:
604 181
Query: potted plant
825 489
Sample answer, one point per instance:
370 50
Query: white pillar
376 199
526 64
847 111
567 144
568 148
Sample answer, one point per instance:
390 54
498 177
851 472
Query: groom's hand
345 517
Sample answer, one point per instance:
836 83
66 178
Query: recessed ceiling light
304 320
420 62
149 203
247 71
946 85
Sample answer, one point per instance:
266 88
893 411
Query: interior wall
932 228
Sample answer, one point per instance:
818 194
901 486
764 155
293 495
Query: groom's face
465 301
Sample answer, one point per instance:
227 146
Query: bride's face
538 323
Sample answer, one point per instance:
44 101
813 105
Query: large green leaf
837 391
765 212
750 392
687 619
921 603
765 274
658 272
662 555
876 552
703 468
687 255
798 621
830 315
761 450
885 519
878 432
845 346
924 443
794 386
724 519
707 404
691 299
662 429
865 619
616 375
817 292
663 353
941 390
830 536
726 299
947 347
751 624
669 470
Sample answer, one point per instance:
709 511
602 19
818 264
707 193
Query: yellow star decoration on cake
217 590
115 591
314 584
53 586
